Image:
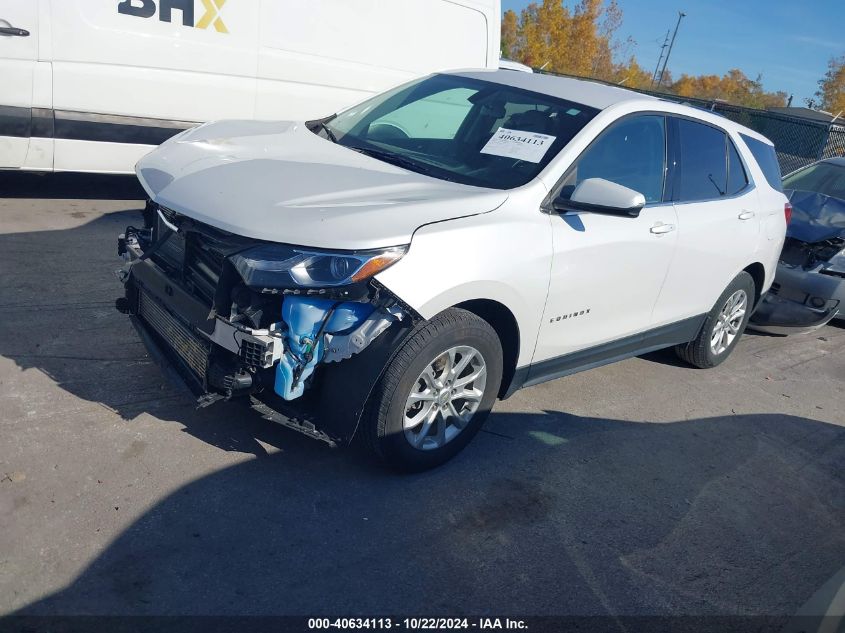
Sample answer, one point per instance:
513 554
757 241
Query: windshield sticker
529 146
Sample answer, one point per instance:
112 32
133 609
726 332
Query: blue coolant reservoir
304 316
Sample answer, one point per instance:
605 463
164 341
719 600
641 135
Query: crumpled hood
815 216
278 181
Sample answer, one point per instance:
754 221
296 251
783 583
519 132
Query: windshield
460 129
825 178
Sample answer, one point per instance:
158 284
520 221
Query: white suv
389 271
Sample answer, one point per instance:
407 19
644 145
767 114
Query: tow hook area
321 330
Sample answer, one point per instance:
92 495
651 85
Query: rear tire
723 327
435 393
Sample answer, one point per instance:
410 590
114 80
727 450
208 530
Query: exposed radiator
190 348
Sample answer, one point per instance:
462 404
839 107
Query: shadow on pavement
732 515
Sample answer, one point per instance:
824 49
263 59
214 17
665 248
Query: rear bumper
799 301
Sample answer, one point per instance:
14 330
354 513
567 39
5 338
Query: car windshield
460 129
825 178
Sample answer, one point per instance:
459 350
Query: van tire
382 426
700 352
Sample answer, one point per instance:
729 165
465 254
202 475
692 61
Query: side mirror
598 195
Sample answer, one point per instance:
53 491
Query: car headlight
282 266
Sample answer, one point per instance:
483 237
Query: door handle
11 30
746 215
660 228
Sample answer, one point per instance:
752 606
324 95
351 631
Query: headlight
281 266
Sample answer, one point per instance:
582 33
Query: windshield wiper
715 184
396 159
322 125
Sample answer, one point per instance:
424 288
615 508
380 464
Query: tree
510 34
831 92
580 39
631 75
733 87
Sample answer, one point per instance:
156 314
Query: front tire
723 326
435 393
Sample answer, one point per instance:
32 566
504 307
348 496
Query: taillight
787 212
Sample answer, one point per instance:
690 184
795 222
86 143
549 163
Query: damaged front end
304 334
809 286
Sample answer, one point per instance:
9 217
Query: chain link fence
798 141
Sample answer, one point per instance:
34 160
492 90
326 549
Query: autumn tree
510 33
548 34
733 87
580 39
831 92
631 75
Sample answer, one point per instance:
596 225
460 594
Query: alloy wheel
445 397
728 322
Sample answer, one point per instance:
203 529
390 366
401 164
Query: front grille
190 348
203 266
170 254
192 256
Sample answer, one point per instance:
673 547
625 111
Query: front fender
504 256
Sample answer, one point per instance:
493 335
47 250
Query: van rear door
18 56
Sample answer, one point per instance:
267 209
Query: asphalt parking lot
645 487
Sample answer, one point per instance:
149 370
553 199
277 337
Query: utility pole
660 59
681 15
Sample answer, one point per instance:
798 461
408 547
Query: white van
93 85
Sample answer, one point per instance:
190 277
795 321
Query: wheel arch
503 321
758 274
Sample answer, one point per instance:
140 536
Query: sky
789 42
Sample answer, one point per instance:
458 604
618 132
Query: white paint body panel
97 157
280 182
334 54
279 60
504 256
713 246
610 265
18 59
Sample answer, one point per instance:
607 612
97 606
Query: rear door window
703 173
766 157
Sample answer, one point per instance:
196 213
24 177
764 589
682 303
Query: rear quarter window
766 158
737 179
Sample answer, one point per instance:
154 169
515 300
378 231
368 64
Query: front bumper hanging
799 301
220 360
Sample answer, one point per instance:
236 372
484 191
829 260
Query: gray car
809 287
